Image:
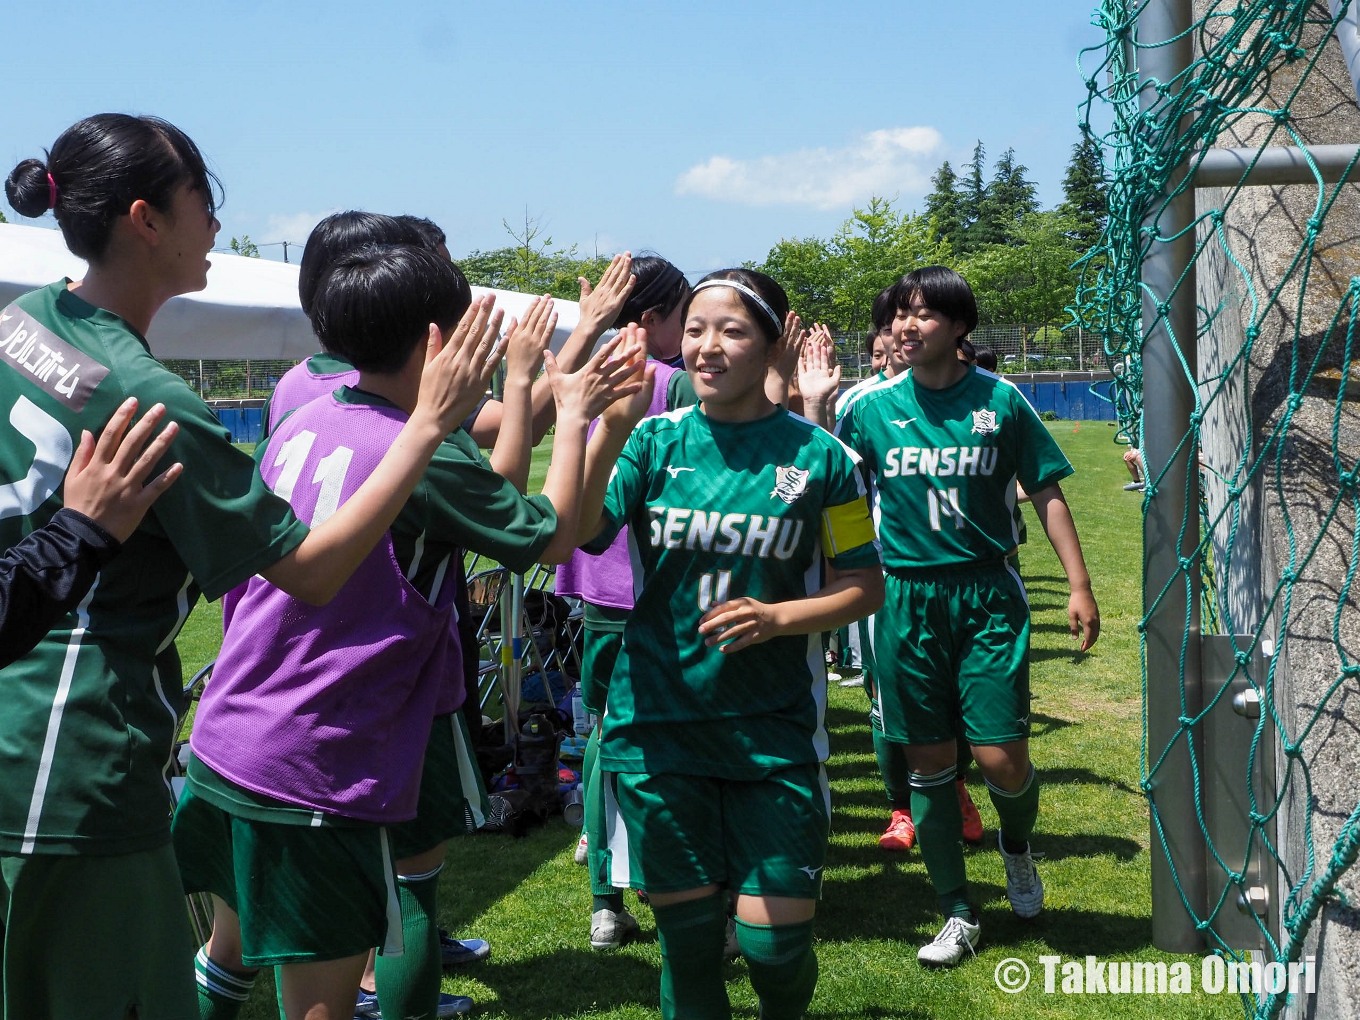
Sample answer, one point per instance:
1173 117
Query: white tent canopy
249 310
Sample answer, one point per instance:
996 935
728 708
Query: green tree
1030 280
243 245
808 271
1010 198
532 265
1084 188
835 281
2 218
973 201
944 204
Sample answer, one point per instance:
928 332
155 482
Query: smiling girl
713 733
92 916
604 580
945 444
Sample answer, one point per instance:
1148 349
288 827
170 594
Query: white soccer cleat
947 948
1024 888
580 857
609 930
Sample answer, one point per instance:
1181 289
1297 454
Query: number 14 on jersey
944 502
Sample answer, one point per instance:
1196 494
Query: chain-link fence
230 379
1019 347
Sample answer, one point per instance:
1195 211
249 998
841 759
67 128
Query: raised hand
615 371
601 304
819 373
791 346
457 372
527 341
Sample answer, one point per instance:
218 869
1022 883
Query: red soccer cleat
972 821
900 833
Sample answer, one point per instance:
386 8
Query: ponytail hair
99 166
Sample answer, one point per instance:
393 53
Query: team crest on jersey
789 483
984 422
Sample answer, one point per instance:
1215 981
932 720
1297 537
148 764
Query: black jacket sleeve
45 576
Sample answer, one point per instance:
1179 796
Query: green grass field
533 903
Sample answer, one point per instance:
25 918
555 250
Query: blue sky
703 131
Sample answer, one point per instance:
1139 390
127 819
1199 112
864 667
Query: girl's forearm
1056 518
514 448
601 454
851 596
320 565
563 486
570 358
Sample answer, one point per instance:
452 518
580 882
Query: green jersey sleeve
1040 462
221 518
627 489
264 418
680 391
847 532
463 501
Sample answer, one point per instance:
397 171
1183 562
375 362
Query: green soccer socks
939 834
408 985
221 992
1017 812
692 936
782 966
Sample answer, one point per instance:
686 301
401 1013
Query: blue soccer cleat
460 952
449 1005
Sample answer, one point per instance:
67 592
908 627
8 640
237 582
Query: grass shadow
481 869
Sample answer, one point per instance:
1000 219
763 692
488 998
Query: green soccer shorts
600 650
667 832
951 648
866 650
453 800
304 894
95 937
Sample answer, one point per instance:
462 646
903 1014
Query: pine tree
1010 198
972 200
944 204
1085 189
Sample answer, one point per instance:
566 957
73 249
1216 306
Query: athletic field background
532 903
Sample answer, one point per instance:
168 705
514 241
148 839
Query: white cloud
292 226
883 162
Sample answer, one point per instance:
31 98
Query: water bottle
580 718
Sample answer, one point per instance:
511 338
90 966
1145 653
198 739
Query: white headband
742 288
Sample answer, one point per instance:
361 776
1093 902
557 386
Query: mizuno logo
674 471
811 873
902 424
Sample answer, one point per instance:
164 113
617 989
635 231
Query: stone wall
1265 228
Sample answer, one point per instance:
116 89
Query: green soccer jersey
716 511
680 391
89 717
852 394
944 463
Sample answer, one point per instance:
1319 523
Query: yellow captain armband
846 527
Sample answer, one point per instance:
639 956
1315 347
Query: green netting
1254 62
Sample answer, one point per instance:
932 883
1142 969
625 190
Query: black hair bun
27 189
